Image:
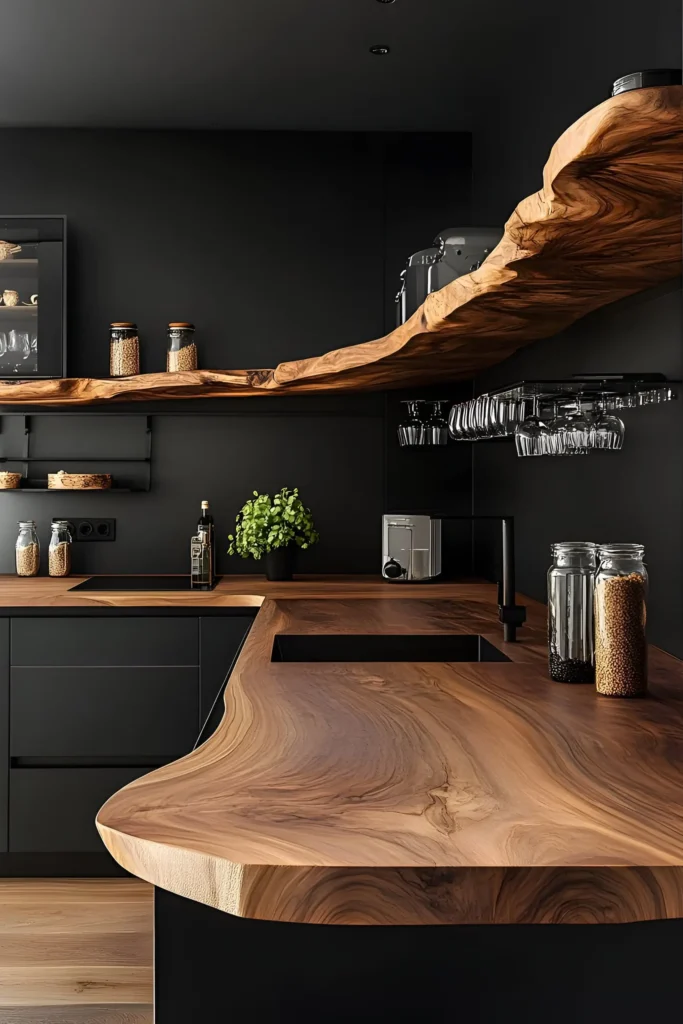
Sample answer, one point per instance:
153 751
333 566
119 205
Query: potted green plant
274 529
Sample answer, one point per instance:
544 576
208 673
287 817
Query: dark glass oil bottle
206 525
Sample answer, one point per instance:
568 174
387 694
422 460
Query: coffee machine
411 548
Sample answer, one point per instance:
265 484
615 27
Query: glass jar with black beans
571 580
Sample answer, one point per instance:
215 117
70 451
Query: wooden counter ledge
417 793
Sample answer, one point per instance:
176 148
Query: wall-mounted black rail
39 485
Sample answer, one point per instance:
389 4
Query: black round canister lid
646 79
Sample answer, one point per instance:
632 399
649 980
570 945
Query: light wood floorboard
75 951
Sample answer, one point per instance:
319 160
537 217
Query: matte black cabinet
52 810
103 711
87 705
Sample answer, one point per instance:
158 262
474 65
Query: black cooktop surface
136 583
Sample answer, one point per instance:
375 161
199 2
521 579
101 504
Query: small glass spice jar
59 552
124 350
621 585
181 353
27 549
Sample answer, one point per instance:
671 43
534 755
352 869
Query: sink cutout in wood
419 647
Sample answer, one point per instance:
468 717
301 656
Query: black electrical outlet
91 529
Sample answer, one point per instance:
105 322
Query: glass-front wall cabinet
32 297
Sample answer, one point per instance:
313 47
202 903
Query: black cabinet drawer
103 712
116 641
52 810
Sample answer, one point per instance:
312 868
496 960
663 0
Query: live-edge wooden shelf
606 224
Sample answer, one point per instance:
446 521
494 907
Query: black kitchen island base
211 966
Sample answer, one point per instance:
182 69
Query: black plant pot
280 563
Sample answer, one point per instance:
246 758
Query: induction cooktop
137 583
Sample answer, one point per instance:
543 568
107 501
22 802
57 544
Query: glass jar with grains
182 350
124 350
27 549
621 585
59 552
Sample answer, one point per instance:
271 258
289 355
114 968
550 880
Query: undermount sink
383 647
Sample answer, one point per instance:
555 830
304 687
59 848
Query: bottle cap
205 504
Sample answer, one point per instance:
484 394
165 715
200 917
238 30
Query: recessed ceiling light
379 50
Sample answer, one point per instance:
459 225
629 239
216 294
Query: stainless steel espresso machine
411 553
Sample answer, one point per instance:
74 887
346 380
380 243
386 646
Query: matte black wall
277 245
547 77
632 495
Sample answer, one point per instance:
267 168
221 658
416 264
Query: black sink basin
136 583
380 647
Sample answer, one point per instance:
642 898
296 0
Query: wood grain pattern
232 591
93 1014
75 950
417 793
605 224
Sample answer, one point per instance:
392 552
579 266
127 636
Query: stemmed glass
18 349
572 432
531 436
436 427
412 430
456 421
608 430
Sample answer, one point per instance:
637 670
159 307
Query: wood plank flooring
75 951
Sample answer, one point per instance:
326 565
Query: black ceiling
306 63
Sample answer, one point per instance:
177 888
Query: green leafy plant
264 525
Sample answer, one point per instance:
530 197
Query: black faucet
511 614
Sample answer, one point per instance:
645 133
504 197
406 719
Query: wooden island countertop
407 793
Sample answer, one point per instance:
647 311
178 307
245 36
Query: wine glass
412 431
531 436
608 429
436 427
18 349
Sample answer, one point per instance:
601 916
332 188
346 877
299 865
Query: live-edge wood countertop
406 793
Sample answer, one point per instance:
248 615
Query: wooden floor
75 951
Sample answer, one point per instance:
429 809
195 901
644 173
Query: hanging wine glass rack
500 413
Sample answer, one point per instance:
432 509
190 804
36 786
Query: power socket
91 529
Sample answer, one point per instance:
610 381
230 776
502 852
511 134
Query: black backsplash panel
277 245
331 450
632 495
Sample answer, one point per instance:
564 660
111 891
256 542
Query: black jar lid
647 79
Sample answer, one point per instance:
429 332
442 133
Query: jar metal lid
573 545
60 523
26 522
181 326
123 323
